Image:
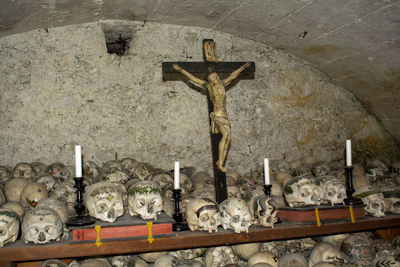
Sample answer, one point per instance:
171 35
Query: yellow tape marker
317 217
98 240
149 228
352 214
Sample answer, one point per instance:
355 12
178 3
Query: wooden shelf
19 251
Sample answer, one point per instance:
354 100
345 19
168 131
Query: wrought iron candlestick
79 219
267 189
350 200
179 225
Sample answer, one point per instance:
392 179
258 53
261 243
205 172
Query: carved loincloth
221 120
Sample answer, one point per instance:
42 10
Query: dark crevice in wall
117 40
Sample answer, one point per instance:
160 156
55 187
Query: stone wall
60 87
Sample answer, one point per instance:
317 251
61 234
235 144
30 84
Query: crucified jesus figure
219 117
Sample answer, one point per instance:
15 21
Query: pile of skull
359 249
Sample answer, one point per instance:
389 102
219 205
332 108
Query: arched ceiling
355 42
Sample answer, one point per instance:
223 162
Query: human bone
302 191
389 258
220 256
360 181
335 240
392 201
9 226
233 191
65 191
32 193
358 247
152 256
263 210
302 170
295 163
24 170
395 168
246 186
48 180
333 189
308 160
55 204
104 201
283 177
144 171
53 263
232 177
14 187
137 262
207 191
321 169
59 171
376 167
129 164
99 262
185 255
163 179
325 252
263 257
5 174
325 264
235 214
293 260
245 251
41 225
166 261
92 171
144 199
16 207
276 189
185 184
280 165
358 169
373 200
202 214
2 197
201 179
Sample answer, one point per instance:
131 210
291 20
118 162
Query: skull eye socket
50 229
304 193
375 205
236 218
33 231
101 208
156 202
140 203
204 218
396 205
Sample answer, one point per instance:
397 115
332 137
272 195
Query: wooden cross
213 76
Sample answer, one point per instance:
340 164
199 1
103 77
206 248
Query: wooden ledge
20 251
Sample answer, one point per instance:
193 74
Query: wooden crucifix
213 76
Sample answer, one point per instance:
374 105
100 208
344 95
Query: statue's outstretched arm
188 75
235 73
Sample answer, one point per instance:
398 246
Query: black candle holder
350 200
267 189
79 219
179 225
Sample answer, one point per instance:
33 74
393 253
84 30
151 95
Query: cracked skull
104 201
41 225
202 214
302 191
144 199
9 226
235 215
334 190
373 200
264 210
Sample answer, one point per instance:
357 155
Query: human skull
358 169
92 171
48 180
202 214
9 226
112 171
388 258
308 160
24 170
32 193
302 191
207 191
39 167
166 261
53 263
144 171
16 207
335 240
283 177
395 168
59 171
144 199
65 191
321 169
263 257
14 187
220 256
41 225
104 201
333 189
373 200
245 251
186 184
264 210
163 179
185 255
233 191
360 181
129 164
277 166
201 179
232 177
152 256
5 175
392 201
302 171
358 247
292 260
99 262
235 215
376 167
326 253
55 204
295 163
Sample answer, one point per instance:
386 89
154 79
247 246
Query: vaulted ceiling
355 42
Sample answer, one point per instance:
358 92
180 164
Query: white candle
266 172
78 161
348 152
176 175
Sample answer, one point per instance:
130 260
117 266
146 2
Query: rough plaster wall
60 87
